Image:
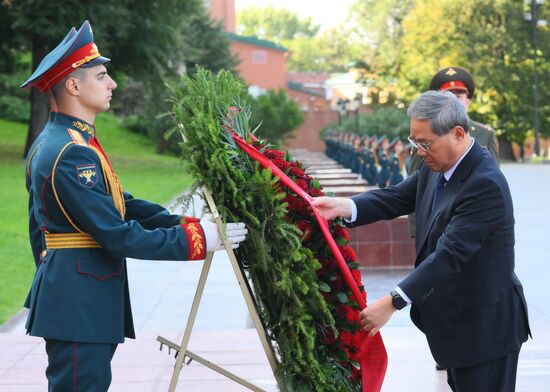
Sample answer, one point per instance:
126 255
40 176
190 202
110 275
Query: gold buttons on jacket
44 253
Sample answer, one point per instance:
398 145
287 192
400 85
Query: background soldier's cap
453 78
382 138
394 142
76 50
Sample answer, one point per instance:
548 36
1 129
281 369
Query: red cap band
453 85
81 56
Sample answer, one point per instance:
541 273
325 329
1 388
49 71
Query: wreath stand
182 353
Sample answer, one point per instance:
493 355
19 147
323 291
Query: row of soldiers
378 160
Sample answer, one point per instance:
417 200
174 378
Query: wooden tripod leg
191 321
242 283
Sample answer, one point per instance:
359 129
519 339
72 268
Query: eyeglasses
422 146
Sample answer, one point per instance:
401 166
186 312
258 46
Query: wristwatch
397 301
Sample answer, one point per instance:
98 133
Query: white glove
235 232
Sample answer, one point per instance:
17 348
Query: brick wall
384 244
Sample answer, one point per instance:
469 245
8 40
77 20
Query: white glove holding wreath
235 233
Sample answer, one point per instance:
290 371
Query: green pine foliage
282 272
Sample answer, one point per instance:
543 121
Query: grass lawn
145 174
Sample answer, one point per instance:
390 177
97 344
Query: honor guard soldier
370 170
83 225
383 161
395 148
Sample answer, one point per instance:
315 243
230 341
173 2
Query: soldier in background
383 161
395 166
369 170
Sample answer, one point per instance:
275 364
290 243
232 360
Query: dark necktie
441 182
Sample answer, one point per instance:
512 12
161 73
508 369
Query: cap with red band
453 78
453 85
76 50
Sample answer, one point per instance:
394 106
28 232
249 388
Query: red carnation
296 171
302 184
348 253
305 228
356 275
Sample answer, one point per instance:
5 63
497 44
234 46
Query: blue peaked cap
76 50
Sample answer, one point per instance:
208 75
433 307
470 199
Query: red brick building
263 66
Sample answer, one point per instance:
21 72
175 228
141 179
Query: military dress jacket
82 227
465 295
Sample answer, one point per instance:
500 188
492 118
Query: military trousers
76 366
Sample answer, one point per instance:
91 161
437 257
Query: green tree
147 40
492 40
310 49
378 25
329 51
274 24
277 114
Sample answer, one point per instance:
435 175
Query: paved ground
162 293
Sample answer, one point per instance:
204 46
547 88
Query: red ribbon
374 359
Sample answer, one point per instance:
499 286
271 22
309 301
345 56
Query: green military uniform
486 136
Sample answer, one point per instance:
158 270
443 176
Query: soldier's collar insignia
77 137
84 127
450 72
87 175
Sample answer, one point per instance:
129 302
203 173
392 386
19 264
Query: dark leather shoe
437 367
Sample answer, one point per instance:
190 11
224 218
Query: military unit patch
87 175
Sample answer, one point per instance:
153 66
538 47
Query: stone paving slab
336 176
327 171
312 168
346 190
341 182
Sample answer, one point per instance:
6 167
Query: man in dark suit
461 83
464 293
83 225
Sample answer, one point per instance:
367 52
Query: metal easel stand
182 353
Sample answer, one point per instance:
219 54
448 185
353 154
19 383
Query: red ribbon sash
374 359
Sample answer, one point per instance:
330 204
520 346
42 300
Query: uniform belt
70 240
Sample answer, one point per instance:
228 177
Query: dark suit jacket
482 133
466 297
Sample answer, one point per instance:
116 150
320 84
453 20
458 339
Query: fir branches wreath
310 316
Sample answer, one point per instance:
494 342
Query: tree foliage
277 114
412 40
310 49
274 24
378 25
149 41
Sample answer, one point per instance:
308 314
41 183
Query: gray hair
442 108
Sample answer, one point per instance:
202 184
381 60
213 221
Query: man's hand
235 233
332 207
375 316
